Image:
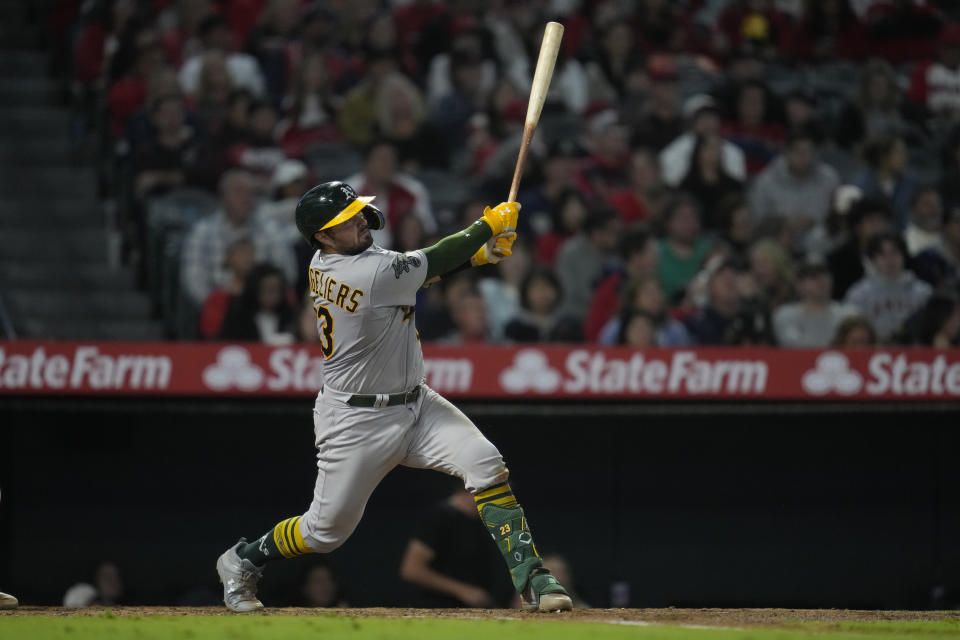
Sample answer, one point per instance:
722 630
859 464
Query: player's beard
360 247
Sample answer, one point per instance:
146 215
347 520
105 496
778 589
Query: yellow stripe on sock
280 540
492 491
507 502
298 540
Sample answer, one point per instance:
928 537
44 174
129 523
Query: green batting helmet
331 203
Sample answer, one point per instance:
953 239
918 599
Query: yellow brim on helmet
349 211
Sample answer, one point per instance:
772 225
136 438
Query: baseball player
374 411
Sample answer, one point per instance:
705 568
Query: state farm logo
832 373
530 371
233 368
599 372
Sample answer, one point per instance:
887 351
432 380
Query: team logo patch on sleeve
402 264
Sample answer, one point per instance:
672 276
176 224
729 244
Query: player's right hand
495 249
502 217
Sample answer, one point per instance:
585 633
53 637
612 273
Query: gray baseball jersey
364 305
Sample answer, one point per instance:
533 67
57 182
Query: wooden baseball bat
538 93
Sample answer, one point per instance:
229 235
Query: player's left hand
495 249
502 217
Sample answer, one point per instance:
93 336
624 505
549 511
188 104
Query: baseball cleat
239 578
7 601
544 593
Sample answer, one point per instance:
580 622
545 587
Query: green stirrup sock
509 529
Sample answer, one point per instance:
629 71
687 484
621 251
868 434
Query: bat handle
521 161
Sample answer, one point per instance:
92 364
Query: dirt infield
670 616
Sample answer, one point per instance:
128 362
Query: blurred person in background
707 180
753 126
139 58
797 187
643 295
469 317
890 293
660 121
616 55
886 175
854 332
238 260
735 226
215 36
772 270
937 324
710 325
258 152
924 228
560 567
702 115
398 195
940 265
638 330
830 29
935 84
263 311
501 293
451 560
608 139
642 198
878 108
537 317
310 110
320 587
107 589
866 218
582 259
287 184
639 256
569 217
813 320
163 163
683 248
269 41
203 265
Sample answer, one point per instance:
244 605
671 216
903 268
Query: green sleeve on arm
455 249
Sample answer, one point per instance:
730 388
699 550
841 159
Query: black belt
370 400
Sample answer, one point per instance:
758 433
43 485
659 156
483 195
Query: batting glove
502 217
495 249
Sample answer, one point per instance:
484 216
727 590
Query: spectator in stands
683 248
800 111
891 293
451 560
710 325
501 294
639 255
616 56
215 99
660 123
540 296
570 215
287 184
398 195
643 196
867 217
707 179
263 312
638 330
541 198
401 118
937 85
886 175
937 324
753 126
453 110
643 294
203 266
310 110
128 88
877 109
940 265
569 87
902 30
163 163
854 332
702 116
320 588
735 226
798 188
605 171
215 36
813 320
258 152
755 25
582 259
270 42
772 270
469 317
238 261
926 221
830 30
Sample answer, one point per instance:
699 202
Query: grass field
142 623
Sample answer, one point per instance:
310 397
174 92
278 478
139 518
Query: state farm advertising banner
496 372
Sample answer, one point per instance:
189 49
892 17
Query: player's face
350 237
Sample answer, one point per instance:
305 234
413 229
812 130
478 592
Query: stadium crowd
714 172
